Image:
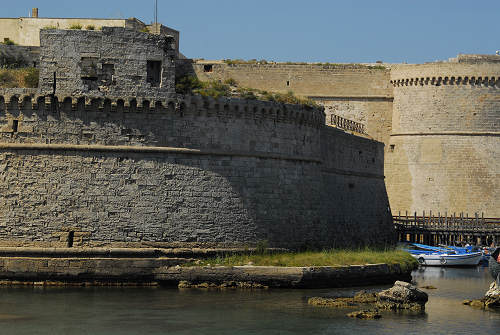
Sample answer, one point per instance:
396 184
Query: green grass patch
338 257
230 88
90 27
8 41
50 27
76 26
23 78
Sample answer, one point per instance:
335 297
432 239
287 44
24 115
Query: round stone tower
444 150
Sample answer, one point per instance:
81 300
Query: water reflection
158 311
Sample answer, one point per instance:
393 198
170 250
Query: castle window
154 73
15 125
392 147
208 68
287 83
108 70
88 68
71 237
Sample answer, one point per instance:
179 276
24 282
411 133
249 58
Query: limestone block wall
26 30
186 171
374 113
110 62
354 188
445 144
357 92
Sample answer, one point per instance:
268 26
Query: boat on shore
444 256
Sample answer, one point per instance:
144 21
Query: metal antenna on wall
156 12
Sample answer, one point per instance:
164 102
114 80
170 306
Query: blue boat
444 255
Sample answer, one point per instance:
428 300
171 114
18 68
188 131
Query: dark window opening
88 68
106 77
288 83
392 147
15 125
208 68
154 73
71 237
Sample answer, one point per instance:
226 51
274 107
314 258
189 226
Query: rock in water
494 291
366 314
402 296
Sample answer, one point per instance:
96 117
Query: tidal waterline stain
159 310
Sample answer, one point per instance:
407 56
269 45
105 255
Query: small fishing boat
444 256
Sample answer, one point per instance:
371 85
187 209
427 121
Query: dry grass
230 88
23 78
318 258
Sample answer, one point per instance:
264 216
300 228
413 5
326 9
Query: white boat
443 259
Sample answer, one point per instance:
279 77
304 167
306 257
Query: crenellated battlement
181 106
486 81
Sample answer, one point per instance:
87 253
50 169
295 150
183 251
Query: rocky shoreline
401 297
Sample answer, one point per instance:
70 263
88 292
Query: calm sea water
171 311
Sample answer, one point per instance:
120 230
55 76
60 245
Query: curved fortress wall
184 172
445 144
357 92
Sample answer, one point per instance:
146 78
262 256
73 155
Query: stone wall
445 143
26 30
110 62
186 171
360 93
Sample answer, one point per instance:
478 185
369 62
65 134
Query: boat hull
435 259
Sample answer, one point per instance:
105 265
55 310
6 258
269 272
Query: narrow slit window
15 125
154 73
71 237
288 83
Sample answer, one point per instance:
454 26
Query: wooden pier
447 229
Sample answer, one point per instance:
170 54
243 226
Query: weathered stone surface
190 171
490 300
494 290
224 285
365 314
402 296
291 277
365 297
111 62
331 302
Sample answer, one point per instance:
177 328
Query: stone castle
105 152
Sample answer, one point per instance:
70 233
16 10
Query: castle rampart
445 143
361 93
185 171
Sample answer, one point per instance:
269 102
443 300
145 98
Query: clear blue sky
414 31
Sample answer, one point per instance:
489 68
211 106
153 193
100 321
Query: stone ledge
148 149
167 271
34 252
288 277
